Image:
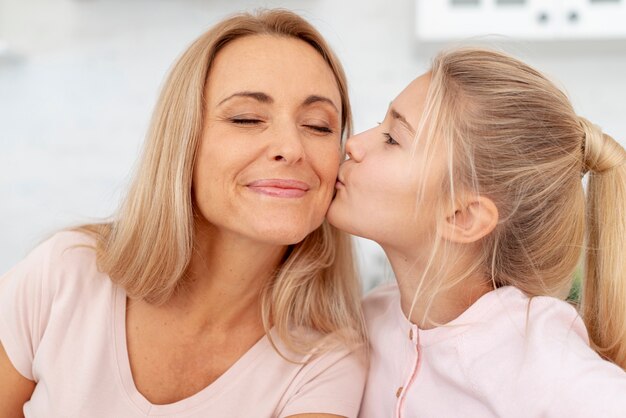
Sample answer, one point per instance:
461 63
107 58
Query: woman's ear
470 220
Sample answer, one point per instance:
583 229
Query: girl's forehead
411 101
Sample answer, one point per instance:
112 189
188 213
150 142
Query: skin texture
377 193
259 127
378 198
272 112
15 389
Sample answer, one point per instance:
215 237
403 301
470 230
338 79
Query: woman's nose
286 145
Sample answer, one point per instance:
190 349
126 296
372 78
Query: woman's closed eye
246 120
321 129
318 125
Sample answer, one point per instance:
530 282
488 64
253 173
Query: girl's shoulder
508 322
509 307
535 351
381 296
381 305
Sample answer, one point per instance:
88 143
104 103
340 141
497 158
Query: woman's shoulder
69 244
70 252
51 283
61 247
62 262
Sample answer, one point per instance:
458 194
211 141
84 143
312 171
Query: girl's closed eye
389 139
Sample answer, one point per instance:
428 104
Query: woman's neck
449 302
224 279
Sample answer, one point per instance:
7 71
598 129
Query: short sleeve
567 377
588 386
333 383
22 309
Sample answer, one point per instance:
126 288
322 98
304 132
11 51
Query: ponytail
603 304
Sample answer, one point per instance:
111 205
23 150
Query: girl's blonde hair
513 136
147 247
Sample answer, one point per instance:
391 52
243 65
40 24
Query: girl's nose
355 146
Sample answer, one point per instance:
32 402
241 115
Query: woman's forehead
282 65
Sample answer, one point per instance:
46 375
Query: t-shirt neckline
471 316
222 383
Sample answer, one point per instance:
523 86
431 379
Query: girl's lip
288 188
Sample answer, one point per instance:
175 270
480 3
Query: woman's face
268 160
377 188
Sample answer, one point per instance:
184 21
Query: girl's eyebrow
402 119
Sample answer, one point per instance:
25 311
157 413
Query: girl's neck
448 303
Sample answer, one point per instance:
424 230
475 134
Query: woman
472 185
218 289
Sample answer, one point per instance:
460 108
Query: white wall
80 79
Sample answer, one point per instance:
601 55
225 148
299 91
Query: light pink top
62 324
506 356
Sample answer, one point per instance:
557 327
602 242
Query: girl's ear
470 220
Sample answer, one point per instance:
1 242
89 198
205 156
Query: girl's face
377 188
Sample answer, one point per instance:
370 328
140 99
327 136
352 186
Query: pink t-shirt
506 356
62 324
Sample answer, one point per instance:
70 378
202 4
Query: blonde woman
473 187
218 289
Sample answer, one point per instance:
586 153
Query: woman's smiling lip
289 188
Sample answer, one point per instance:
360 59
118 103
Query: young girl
473 186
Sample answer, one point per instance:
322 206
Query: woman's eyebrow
264 98
256 95
402 119
315 99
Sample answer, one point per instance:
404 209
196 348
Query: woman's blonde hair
513 136
147 247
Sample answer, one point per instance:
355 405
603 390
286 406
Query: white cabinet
445 20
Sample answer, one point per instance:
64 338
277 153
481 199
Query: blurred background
79 78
